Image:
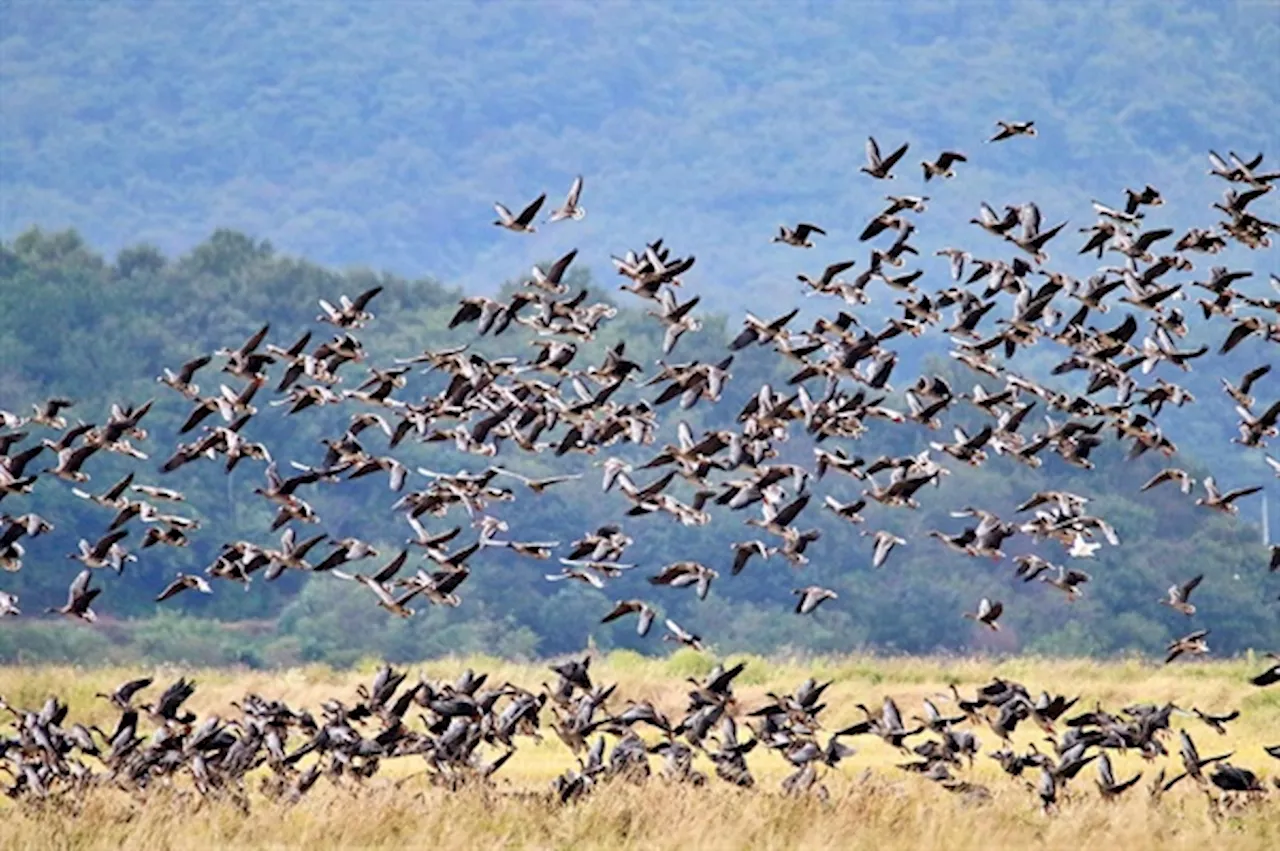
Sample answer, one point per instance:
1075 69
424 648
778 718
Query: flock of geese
841 367
466 731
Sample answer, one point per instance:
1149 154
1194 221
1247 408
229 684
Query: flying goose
1224 502
48 414
1009 129
878 167
884 544
744 550
1148 195
811 597
1172 474
571 209
680 635
1178 595
681 574
829 281
1271 675
941 167
628 607
184 582
1240 394
349 313
79 596
1193 643
845 510
1107 784
181 380
552 280
988 613
1217 723
799 236
1068 580
522 223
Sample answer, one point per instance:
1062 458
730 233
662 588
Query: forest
379 136
174 175
99 329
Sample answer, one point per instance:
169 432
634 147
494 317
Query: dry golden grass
882 809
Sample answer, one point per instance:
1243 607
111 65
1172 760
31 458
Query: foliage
75 323
362 134
872 804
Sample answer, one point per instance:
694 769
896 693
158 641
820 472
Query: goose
845 510
539 486
106 551
170 536
48 414
540 550
1230 778
382 576
1178 596
552 279
349 313
680 635
1194 643
184 582
1171 474
70 459
744 550
522 223
799 236
344 550
1118 216
122 696
941 167
79 596
1106 782
155 492
1030 566
1271 675
812 596
759 332
884 544
681 574
1068 581
627 607
14 484
1217 723
291 553
571 209
1240 394
1224 502
987 614
877 166
677 319
30 524
1009 129
1081 547
1148 196
394 605
181 380
9 605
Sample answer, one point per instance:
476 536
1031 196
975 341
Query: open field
871 803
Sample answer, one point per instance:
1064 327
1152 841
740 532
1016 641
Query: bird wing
893 158
527 214
873 153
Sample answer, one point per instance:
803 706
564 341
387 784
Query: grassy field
872 804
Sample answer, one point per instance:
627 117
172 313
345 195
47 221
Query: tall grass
871 804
